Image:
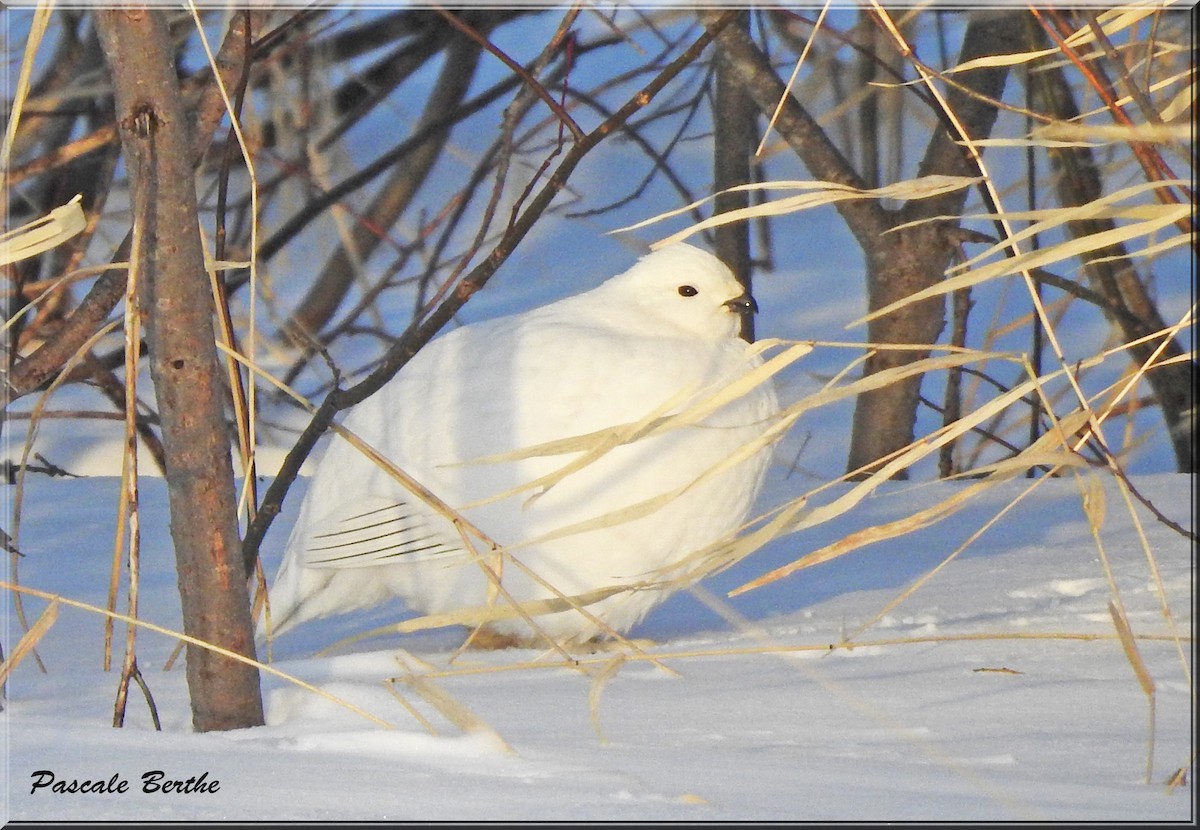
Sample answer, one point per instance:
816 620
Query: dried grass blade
906 458
1182 240
648 506
598 443
478 615
1156 575
921 188
1115 20
1181 105
599 681
790 518
822 193
18 496
29 640
1134 656
1038 453
867 536
187 638
452 709
1097 135
390 684
1010 59
654 422
244 394
1056 217
601 442
37 32
741 188
1039 258
1056 459
44 233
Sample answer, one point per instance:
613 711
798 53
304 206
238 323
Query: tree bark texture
905 262
733 144
177 302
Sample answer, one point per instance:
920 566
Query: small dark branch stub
142 122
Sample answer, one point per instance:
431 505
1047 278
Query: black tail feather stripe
387 535
405 550
418 524
377 510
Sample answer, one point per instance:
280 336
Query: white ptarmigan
650 342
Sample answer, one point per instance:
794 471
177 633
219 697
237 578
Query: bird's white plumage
647 342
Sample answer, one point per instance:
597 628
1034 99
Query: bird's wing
482 392
375 530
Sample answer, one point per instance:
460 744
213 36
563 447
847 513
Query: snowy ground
913 725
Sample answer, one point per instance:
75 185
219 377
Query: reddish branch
1127 302
1152 163
530 82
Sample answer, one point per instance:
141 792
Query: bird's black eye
688 291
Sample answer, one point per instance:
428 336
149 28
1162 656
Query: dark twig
660 166
236 380
1149 505
132 672
961 304
90 143
326 199
328 290
734 115
948 419
526 77
113 389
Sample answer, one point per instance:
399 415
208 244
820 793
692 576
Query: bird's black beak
742 304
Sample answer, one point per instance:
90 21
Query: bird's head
688 289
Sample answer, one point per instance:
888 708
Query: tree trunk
902 263
176 298
733 144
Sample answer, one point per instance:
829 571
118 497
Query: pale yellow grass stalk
248 421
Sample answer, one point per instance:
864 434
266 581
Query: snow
949 710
